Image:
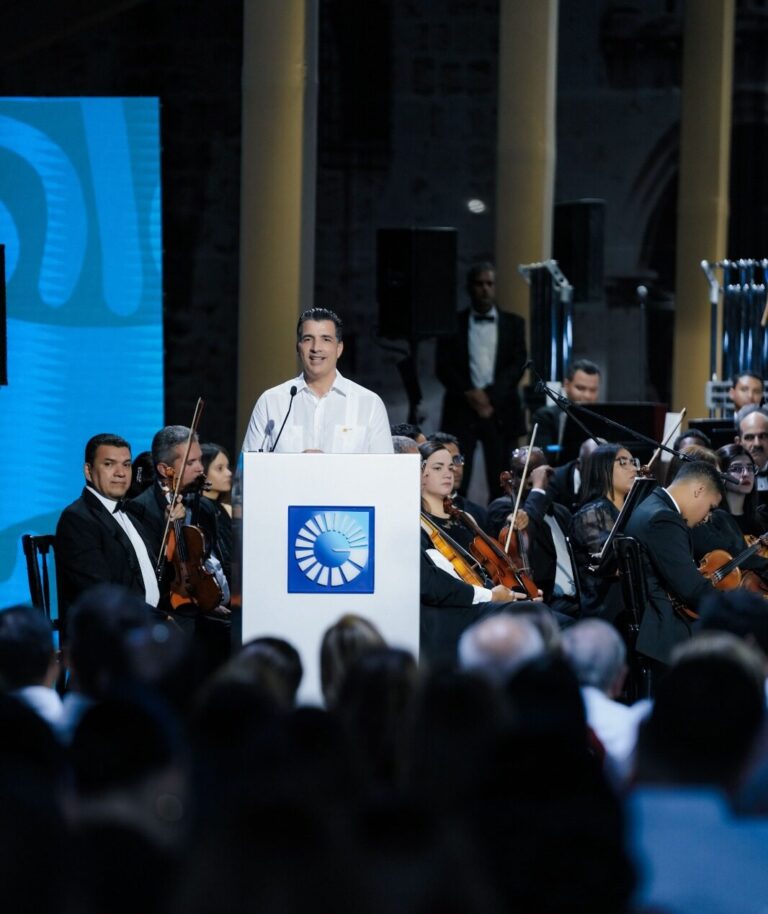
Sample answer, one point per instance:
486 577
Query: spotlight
476 206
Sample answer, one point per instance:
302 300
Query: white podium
321 535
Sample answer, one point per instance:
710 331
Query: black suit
670 569
549 420
92 548
562 487
459 419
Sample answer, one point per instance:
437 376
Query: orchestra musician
740 494
662 524
610 474
450 604
580 385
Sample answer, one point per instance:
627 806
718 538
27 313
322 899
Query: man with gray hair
597 654
752 433
498 646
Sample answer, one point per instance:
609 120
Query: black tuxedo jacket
670 569
91 548
561 487
452 370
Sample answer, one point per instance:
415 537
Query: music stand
646 418
642 487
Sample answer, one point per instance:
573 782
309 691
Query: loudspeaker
578 246
416 282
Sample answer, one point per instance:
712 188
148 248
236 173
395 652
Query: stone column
525 170
702 207
277 197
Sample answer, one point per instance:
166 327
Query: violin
185 550
515 542
464 565
722 570
496 563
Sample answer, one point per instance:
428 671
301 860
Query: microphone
294 391
270 427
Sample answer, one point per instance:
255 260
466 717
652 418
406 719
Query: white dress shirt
483 341
151 590
349 419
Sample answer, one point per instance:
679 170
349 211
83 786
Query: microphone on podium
294 390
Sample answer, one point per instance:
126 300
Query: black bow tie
479 318
120 505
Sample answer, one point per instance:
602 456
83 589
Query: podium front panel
323 535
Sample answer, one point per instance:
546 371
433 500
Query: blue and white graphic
330 549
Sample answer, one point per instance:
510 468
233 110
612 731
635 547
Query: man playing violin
152 508
662 524
96 540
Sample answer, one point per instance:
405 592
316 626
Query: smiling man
320 410
96 541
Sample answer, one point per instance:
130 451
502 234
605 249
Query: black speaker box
578 246
416 282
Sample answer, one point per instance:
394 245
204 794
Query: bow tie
120 505
480 318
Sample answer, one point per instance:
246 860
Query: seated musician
545 538
662 524
448 603
726 525
152 507
452 445
611 472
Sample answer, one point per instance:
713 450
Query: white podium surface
323 535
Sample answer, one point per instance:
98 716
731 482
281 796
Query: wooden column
702 207
525 170
277 216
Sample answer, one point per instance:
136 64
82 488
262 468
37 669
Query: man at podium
320 410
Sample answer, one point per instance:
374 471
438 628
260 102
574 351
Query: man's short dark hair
26 646
735 378
703 472
581 365
320 314
166 441
695 433
406 429
105 438
482 266
444 438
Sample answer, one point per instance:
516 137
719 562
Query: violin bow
177 480
668 438
521 487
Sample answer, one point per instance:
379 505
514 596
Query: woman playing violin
437 482
610 474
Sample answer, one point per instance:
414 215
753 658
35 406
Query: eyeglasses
457 460
742 469
627 462
755 436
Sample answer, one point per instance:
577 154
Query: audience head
739 612
746 388
98 626
582 382
404 445
498 646
708 711
408 430
752 432
697 490
481 286
597 654
27 656
271 665
609 473
343 643
108 465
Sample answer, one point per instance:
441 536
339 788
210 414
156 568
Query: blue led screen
80 221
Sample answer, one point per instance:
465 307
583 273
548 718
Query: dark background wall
407 135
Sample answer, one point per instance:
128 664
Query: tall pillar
525 170
702 203
277 208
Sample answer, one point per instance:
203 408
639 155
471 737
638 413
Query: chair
37 549
629 556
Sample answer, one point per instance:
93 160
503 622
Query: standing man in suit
662 526
480 368
581 385
96 541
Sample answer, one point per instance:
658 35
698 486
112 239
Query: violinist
545 538
452 445
218 475
153 507
610 474
96 541
448 603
